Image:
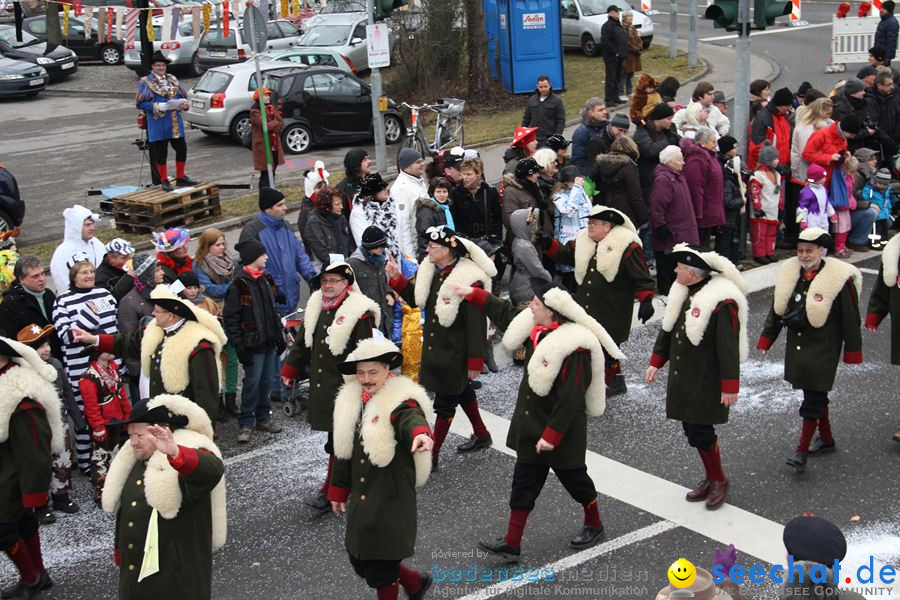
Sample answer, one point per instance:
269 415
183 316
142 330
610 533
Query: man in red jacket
828 145
771 124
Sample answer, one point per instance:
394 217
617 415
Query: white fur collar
354 306
825 287
21 382
161 486
176 352
701 308
465 272
377 431
608 252
890 257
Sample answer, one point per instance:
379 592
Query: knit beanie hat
783 97
407 157
883 176
661 111
851 124
726 144
853 86
144 268
768 153
269 197
815 173
249 251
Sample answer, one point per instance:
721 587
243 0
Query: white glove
160 107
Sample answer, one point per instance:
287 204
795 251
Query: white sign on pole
534 21
377 46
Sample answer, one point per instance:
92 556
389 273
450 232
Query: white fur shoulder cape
176 349
376 429
355 305
890 257
467 270
608 252
823 290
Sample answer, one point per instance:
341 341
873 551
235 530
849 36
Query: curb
87 93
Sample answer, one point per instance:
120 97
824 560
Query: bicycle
448 129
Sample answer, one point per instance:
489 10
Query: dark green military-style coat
336 333
185 542
611 302
699 373
885 298
375 468
831 299
449 349
24 461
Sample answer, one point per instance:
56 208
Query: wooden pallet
155 209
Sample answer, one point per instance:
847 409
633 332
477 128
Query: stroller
298 395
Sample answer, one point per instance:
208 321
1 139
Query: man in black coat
886 32
882 111
614 45
28 301
545 111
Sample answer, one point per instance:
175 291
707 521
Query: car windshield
213 82
598 7
342 7
326 35
8 35
215 37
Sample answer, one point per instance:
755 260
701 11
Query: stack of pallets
154 209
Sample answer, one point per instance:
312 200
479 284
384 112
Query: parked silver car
217 49
221 100
582 20
181 49
343 32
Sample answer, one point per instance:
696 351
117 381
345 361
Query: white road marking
638 535
733 36
869 271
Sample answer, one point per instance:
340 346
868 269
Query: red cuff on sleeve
105 343
731 386
642 295
420 430
34 499
873 320
552 436
186 461
399 284
289 371
477 298
117 558
337 494
658 361
764 342
853 358
475 364
553 249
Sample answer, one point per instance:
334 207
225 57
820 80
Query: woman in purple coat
704 179
672 218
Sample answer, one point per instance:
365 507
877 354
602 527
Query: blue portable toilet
492 28
530 44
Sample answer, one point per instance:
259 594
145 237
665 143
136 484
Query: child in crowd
814 208
735 191
524 224
105 397
645 97
572 207
878 193
767 197
194 293
433 211
842 209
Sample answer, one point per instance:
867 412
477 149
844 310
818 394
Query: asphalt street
641 465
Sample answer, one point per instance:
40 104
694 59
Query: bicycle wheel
452 133
415 142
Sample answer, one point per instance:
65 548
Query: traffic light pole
377 115
692 33
673 28
742 78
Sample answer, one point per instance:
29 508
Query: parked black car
12 209
20 78
111 53
59 62
325 104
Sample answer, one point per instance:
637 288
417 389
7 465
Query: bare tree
479 82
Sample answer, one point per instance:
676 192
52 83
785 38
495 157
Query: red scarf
539 330
366 396
254 273
329 303
164 259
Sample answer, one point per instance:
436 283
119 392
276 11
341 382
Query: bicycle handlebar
433 107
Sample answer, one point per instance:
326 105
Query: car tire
589 45
110 54
238 125
296 139
5 222
196 69
394 129
646 41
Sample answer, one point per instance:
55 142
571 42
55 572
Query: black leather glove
784 170
245 357
759 214
662 233
646 310
543 240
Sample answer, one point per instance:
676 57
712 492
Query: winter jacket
613 40
716 120
476 215
384 215
132 308
884 114
525 258
274 124
704 178
799 138
349 186
20 309
733 191
619 183
307 208
650 143
549 115
405 191
511 157
770 124
103 400
215 286
288 261
886 36
107 276
70 407
671 210
766 194
599 145
635 47
72 244
249 318
580 138
372 282
845 105
428 214
328 233
883 199
814 206
822 145
524 194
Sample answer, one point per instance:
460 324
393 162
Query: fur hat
163 296
668 89
768 154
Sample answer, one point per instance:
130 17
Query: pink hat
815 173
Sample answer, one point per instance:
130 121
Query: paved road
641 465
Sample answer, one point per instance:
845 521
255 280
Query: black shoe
818 447
618 386
319 503
425 583
489 360
222 417
587 537
501 548
166 186
63 503
185 181
44 515
797 460
475 443
475 384
21 590
760 260
231 404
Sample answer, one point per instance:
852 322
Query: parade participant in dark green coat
454 332
179 350
30 430
382 443
885 300
337 318
611 272
166 487
704 338
564 348
817 299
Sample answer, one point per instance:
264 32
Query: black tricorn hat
610 215
817 236
176 307
338 267
375 349
542 286
7 350
158 415
690 255
158 57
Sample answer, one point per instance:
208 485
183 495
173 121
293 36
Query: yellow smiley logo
682 573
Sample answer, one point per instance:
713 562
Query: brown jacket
635 47
274 124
